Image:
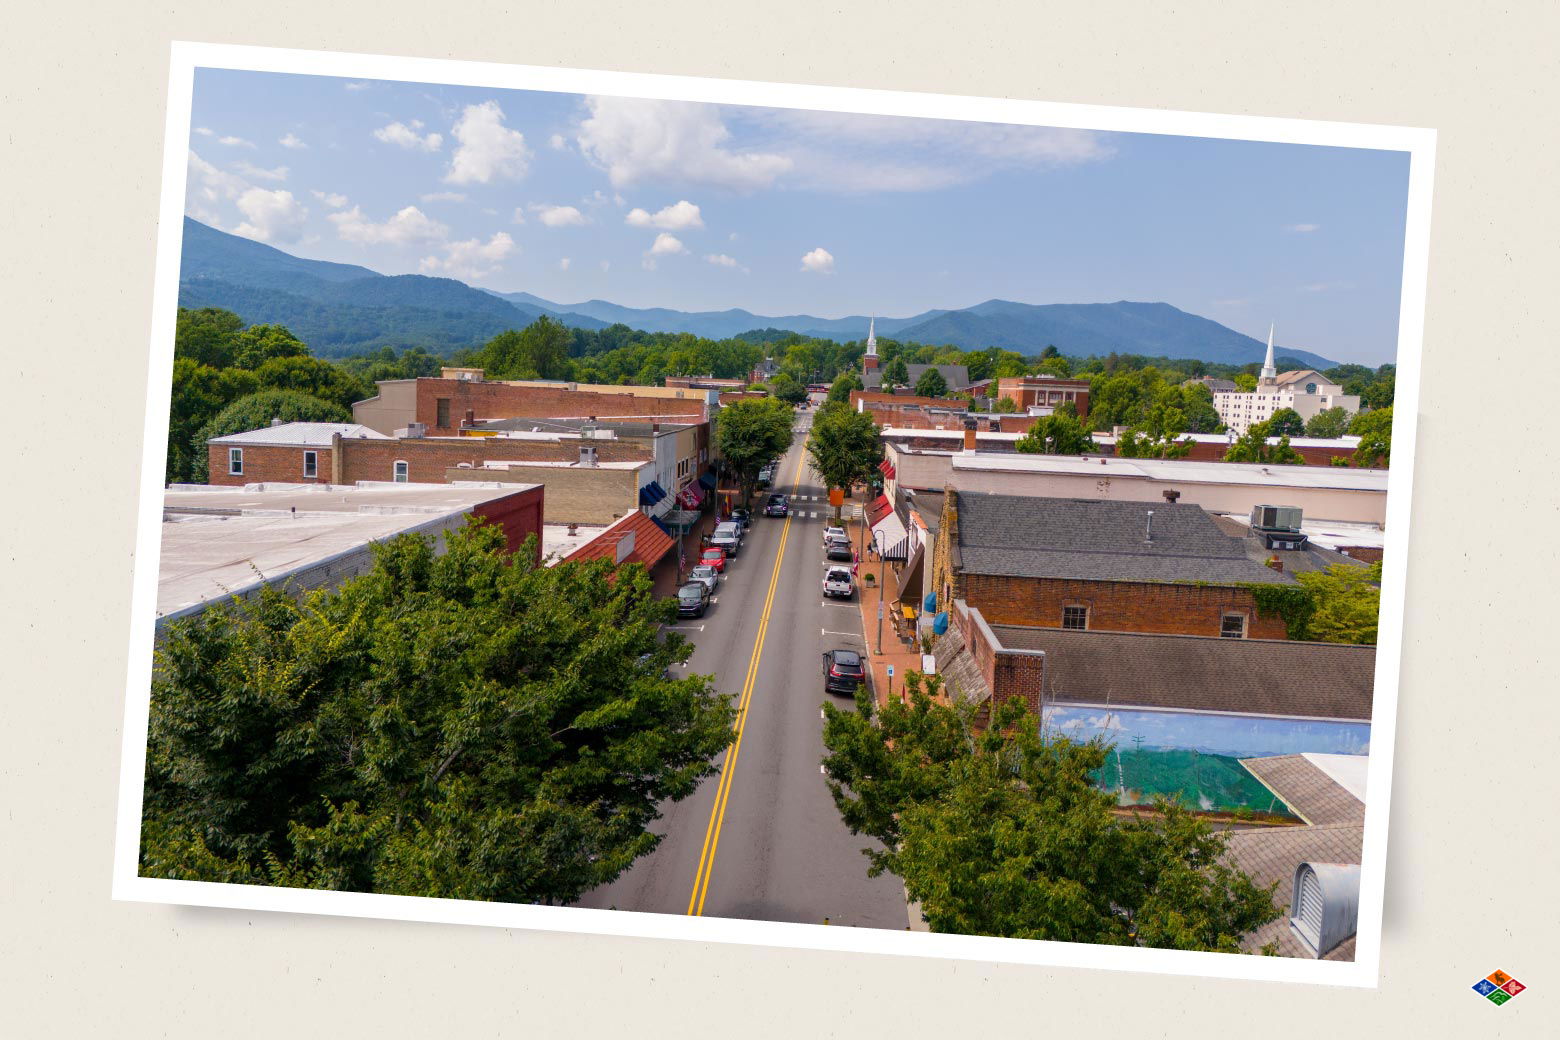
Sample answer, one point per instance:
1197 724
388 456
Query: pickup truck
838 582
727 536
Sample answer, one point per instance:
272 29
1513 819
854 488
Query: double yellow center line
701 879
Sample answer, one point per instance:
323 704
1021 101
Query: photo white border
1418 143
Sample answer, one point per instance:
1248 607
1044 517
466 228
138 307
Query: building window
236 461
443 408
311 464
400 471
1233 626
1075 617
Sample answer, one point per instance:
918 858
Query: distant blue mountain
342 309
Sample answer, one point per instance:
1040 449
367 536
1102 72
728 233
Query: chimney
1171 496
655 426
1275 563
969 435
471 417
1149 530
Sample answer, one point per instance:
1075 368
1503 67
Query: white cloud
732 237
407 226
636 139
330 198
519 215
722 260
1303 229
819 261
667 245
443 196
596 198
404 136
254 172
291 140
204 131
558 216
488 149
271 216
606 265
558 141
235 142
563 265
680 216
472 258
207 187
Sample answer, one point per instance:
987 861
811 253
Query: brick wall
575 495
267 463
1025 392
1190 610
502 401
429 459
518 515
1008 673
945 580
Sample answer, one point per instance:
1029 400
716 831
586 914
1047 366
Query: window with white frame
311 464
236 461
401 468
1233 626
1075 618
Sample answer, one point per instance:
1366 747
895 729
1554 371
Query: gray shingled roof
1201 673
1272 854
1099 540
1296 561
956 376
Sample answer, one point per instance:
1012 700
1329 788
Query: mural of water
1235 736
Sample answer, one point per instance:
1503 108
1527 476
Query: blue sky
706 207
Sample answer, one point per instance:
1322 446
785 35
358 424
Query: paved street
764 840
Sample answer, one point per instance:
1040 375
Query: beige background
1473 859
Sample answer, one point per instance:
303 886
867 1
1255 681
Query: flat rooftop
220 540
558 542
1180 470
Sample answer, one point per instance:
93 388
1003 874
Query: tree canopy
1329 422
1253 446
844 446
931 384
1287 421
1057 434
1002 832
750 433
895 374
1374 429
538 351
787 389
1345 603
255 411
463 725
844 383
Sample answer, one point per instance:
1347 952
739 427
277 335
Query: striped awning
891 538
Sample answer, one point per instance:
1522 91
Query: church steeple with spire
870 361
1269 370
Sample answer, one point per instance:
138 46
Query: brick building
289 453
1046 393
429 460
445 406
1099 565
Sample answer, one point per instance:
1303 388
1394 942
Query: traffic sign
890 671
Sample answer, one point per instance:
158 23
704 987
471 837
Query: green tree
749 433
199 393
1379 394
1057 434
206 336
1004 405
464 725
895 374
1254 447
1287 422
1196 403
1245 382
844 383
844 447
256 410
1157 436
1329 422
314 377
931 384
1002 832
1347 603
1374 429
1055 366
786 388
258 344
538 351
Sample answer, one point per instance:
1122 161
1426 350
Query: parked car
832 529
838 549
714 557
777 506
838 582
707 574
742 515
648 661
843 672
693 599
766 477
728 536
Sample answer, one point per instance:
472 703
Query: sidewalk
894 650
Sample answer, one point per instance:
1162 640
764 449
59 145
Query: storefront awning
707 482
891 538
880 508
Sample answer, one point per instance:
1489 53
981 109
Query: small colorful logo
1497 987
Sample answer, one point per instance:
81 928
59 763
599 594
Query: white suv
838 582
727 536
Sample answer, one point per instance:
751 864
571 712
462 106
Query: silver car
707 574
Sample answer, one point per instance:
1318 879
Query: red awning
880 508
887 469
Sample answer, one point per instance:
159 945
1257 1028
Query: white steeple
1269 370
872 337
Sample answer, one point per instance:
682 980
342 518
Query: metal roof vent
1148 533
1325 909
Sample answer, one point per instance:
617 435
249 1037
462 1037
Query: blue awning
660 492
657 521
707 482
940 623
651 493
929 604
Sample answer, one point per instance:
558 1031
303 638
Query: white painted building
1305 390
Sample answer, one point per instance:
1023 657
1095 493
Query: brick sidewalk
894 650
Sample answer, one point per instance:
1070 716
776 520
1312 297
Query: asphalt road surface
764 841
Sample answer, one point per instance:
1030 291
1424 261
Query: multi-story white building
1305 390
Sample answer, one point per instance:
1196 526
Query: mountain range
341 309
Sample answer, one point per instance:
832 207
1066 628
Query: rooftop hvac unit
1325 908
1278 526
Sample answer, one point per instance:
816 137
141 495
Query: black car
776 506
743 516
838 549
693 599
843 672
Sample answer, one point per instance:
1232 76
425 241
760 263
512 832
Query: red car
715 558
